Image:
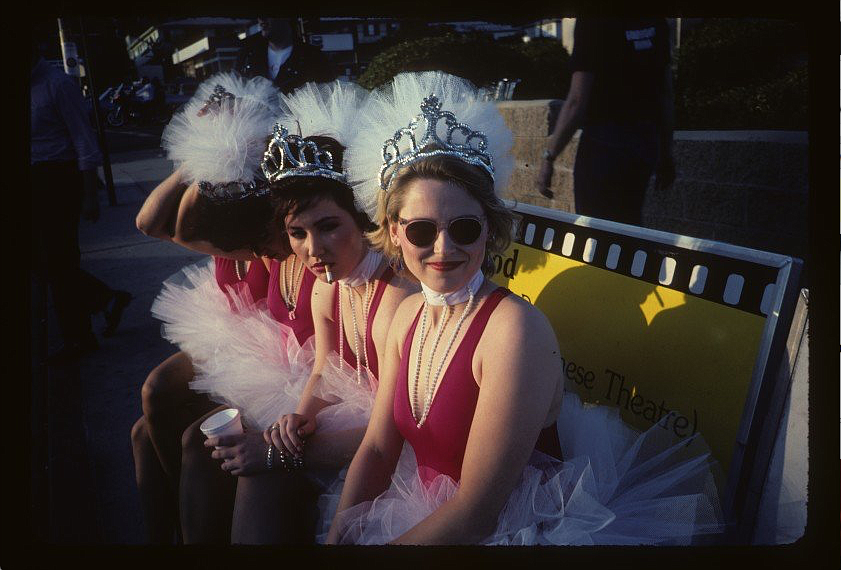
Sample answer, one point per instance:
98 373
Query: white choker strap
456 297
364 270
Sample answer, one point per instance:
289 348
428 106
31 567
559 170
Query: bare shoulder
521 322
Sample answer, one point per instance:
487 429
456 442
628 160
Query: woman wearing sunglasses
281 466
471 378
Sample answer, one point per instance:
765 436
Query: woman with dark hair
355 291
471 378
216 144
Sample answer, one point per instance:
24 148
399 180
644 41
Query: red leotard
256 278
439 444
349 357
302 323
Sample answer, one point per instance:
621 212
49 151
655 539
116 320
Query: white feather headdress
225 145
394 106
326 109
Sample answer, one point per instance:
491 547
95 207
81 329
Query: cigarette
329 275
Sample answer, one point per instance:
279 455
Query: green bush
541 64
742 74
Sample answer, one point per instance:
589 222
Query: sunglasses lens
465 231
421 233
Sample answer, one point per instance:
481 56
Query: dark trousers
613 165
56 191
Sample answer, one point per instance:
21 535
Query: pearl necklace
432 386
365 309
289 291
239 272
362 273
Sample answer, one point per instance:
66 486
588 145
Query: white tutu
620 487
351 400
241 356
196 314
223 146
261 369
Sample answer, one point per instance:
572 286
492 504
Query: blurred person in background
621 97
277 54
64 156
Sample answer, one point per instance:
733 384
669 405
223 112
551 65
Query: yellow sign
662 356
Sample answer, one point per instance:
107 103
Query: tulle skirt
615 486
242 357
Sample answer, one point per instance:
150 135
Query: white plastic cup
224 422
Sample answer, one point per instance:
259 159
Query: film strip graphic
745 285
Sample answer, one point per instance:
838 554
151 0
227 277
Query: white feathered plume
227 145
328 109
391 108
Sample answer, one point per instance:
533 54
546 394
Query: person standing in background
64 156
621 97
278 55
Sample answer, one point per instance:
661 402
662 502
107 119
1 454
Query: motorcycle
125 109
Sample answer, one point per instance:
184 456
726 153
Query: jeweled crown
293 155
394 159
216 98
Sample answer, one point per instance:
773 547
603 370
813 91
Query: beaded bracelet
269 455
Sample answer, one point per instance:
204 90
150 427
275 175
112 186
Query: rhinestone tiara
431 113
216 98
293 155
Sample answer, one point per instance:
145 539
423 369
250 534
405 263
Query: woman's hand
243 454
289 432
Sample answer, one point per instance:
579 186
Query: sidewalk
92 407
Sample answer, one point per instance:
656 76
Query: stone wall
747 188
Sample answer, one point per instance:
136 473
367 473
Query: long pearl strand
431 387
239 273
289 291
365 310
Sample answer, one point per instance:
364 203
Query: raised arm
157 216
519 372
375 460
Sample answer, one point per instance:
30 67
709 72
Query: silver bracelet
269 455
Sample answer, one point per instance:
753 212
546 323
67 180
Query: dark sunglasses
422 233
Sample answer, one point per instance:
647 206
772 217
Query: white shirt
277 58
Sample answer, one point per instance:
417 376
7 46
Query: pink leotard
302 323
256 278
439 444
349 357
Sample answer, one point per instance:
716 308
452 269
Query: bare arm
519 383
158 214
572 111
569 120
296 426
370 471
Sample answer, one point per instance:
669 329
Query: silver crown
431 112
292 155
219 94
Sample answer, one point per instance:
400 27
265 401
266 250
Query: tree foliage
541 65
742 74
